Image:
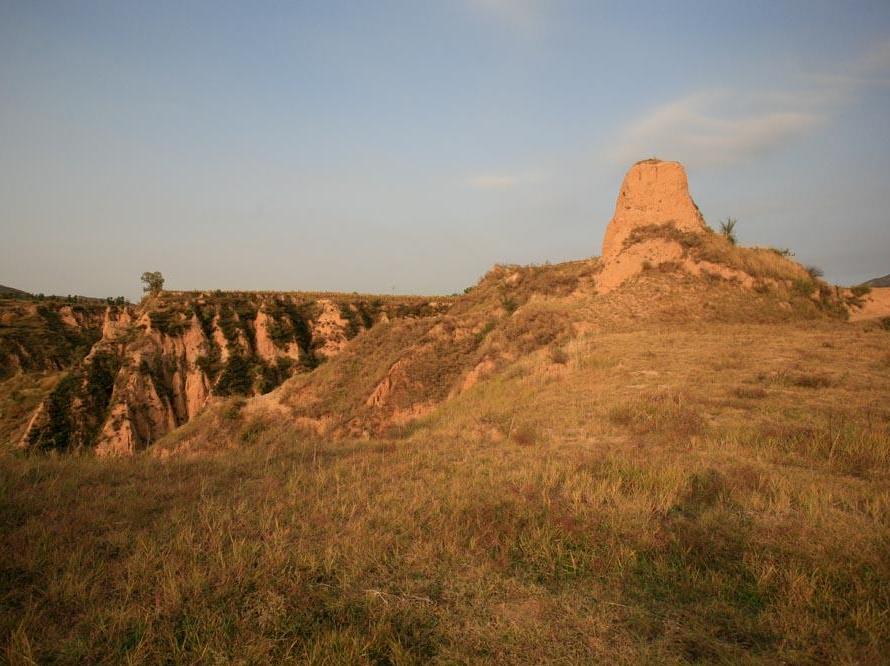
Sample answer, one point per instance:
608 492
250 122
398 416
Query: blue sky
408 146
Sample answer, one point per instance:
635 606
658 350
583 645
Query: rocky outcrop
157 366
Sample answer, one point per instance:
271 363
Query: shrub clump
236 378
533 329
56 433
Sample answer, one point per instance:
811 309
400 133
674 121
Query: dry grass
755 261
419 364
668 494
680 471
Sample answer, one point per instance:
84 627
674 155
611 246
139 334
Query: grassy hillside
667 492
395 373
12 292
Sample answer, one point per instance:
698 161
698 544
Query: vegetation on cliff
34 336
178 349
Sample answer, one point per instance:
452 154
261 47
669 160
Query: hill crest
390 361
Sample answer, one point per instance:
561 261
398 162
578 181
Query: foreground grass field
672 494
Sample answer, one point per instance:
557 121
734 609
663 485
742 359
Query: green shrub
236 378
56 433
228 324
210 364
100 377
486 329
168 322
205 316
368 312
272 375
352 321
160 371
727 229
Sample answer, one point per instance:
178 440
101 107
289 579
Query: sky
406 147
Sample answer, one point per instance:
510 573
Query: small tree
727 229
154 282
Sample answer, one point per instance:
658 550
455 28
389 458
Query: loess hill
676 452
150 368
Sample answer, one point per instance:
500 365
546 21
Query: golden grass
420 363
757 262
668 494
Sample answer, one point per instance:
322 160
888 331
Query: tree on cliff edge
154 282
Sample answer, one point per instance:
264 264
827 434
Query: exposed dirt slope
156 366
391 378
875 304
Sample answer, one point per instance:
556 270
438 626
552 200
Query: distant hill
11 291
878 282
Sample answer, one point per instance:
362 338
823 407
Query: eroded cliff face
157 365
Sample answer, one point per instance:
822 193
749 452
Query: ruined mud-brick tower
653 193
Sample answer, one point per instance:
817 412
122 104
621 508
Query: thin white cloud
724 126
713 127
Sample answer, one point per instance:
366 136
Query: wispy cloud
722 126
713 127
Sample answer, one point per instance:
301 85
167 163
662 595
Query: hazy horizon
407 147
